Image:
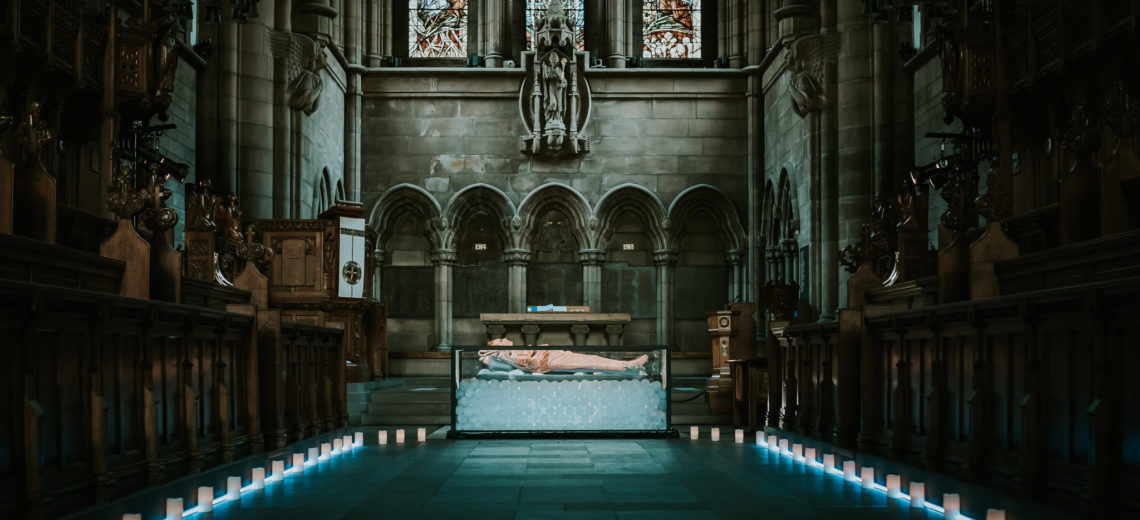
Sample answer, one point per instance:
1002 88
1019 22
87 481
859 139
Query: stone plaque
479 289
554 283
631 289
408 291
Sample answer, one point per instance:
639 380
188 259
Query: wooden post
126 245
953 266
933 453
189 400
165 268
256 283
31 448
251 377
903 423
269 366
35 206
992 247
850 338
96 419
222 400
149 421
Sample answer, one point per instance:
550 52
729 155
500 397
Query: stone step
410 408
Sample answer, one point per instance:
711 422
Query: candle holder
828 461
400 436
358 439
917 494
383 437
867 475
346 443
694 433
995 514
773 443
336 444
257 478
233 488
326 451
760 439
421 434
784 446
798 452
205 499
299 461
174 509
314 454
739 436
809 455
132 516
894 486
714 434
952 504
278 468
849 470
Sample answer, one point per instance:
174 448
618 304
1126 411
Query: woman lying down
543 361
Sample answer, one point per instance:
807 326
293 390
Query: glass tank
552 389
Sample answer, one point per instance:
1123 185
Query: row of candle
206 499
951 502
421 436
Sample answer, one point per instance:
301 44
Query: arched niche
629 276
554 275
478 216
405 220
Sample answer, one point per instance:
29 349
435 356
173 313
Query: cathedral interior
895 235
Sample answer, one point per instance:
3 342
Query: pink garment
542 361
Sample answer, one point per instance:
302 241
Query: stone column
665 259
775 263
592 260
443 260
755 257
580 332
378 261
828 197
883 64
854 98
735 275
517 260
353 96
789 255
617 15
493 38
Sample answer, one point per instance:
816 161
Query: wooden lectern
733 339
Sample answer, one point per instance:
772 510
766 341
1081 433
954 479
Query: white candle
174 509
848 470
714 434
991 514
917 494
760 439
336 446
828 461
346 443
233 488
739 436
326 451
952 503
798 451
383 437
421 434
278 468
298 461
257 478
809 455
868 477
313 455
894 486
694 432
784 446
358 439
400 436
132 516
205 499
773 443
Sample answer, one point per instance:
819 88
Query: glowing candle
848 470
952 503
714 434
421 434
828 461
174 509
326 451
278 469
868 477
346 443
132 516
400 436
383 437
336 446
358 439
739 436
917 494
894 486
991 514
760 439
773 443
298 461
313 454
784 446
798 451
257 478
809 455
205 499
233 488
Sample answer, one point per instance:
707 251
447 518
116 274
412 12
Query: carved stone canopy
554 100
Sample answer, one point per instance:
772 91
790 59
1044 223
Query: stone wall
179 144
322 139
928 117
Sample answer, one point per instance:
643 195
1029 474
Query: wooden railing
104 394
1030 392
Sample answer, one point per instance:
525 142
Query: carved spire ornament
554 99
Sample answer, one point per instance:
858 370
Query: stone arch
711 201
555 196
479 199
403 198
638 199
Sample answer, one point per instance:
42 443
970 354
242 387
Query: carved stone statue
165 62
554 100
227 216
305 88
200 202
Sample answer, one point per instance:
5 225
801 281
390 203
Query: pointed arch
555 196
710 200
638 199
400 199
476 199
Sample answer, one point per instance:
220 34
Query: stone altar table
557 328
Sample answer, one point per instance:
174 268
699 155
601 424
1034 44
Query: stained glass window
574 10
671 28
437 28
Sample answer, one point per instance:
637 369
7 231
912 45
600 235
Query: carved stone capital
591 257
517 257
732 257
444 257
496 331
665 257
